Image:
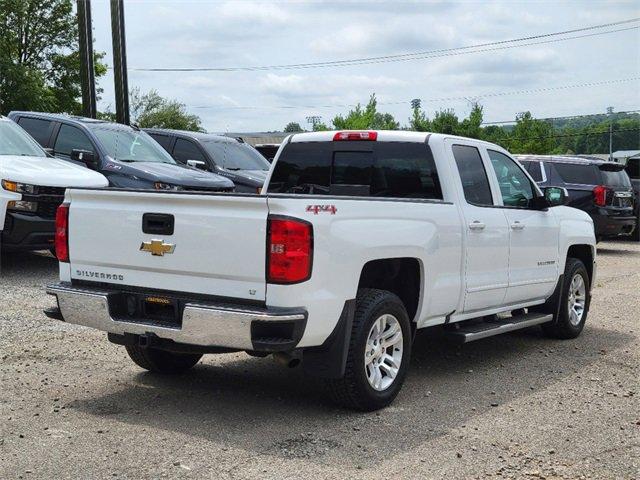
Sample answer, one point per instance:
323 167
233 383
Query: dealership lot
73 405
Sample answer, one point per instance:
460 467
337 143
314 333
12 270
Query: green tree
152 110
39 60
364 118
418 121
293 127
531 135
472 126
446 121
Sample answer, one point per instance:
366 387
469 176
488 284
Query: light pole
609 112
87 73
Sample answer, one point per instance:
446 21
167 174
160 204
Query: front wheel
574 302
379 352
162 361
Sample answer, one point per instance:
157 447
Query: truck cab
32 187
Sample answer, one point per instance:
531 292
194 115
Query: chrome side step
465 333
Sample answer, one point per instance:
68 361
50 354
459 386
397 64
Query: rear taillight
62 233
289 250
346 136
600 195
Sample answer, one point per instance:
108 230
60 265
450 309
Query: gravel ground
514 406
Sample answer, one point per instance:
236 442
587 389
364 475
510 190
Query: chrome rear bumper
203 324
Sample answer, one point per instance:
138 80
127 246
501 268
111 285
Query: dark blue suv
226 156
126 156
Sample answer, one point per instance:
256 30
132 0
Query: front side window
187 150
475 182
15 141
515 186
131 145
71 138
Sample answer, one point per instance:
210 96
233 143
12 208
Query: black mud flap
329 359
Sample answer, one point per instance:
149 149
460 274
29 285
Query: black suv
602 189
632 168
126 156
226 156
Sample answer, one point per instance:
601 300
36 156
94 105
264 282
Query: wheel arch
586 254
402 276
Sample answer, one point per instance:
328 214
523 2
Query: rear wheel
162 361
574 302
379 352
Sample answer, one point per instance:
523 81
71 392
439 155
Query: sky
195 34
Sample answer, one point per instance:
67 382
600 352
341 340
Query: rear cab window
369 169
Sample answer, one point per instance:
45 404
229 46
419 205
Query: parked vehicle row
602 189
357 240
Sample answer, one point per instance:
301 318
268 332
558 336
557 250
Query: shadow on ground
256 406
27 265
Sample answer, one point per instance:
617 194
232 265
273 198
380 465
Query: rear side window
163 140
575 173
39 129
71 138
186 150
633 168
475 182
384 169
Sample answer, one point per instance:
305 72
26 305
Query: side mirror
85 156
556 196
197 164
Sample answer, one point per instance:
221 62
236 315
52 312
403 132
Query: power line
511 139
441 99
498 45
551 119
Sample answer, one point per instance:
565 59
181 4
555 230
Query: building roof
625 153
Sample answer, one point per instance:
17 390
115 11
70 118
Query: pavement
519 405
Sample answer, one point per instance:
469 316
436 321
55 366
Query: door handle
517 225
476 225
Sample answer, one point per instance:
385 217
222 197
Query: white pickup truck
358 240
32 186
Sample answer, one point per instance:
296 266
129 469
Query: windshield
615 179
131 146
236 156
15 141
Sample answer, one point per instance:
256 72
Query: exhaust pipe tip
288 359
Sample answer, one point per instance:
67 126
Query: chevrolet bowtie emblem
157 247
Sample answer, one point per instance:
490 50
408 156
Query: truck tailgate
217 246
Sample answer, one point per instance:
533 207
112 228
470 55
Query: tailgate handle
158 223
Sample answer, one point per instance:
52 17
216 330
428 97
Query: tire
635 236
355 390
569 325
162 361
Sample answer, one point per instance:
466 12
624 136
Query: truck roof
194 135
382 136
564 159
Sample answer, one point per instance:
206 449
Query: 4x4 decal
316 209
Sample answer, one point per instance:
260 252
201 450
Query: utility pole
121 83
87 72
609 112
